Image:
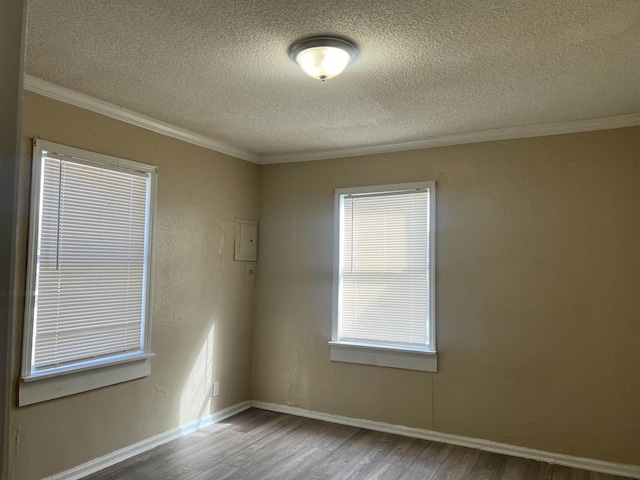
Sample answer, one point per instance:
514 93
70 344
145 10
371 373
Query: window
384 276
88 309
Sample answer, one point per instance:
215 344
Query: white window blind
91 257
384 268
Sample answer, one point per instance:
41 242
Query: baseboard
620 469
632 471
105 461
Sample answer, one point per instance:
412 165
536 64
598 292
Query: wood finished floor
259 445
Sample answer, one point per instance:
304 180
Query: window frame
37 387
410 358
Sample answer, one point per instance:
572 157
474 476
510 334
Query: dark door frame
12 35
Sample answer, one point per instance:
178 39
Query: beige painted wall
202 310
538 294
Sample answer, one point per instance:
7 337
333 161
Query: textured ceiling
426 68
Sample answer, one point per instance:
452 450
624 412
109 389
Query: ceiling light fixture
323 57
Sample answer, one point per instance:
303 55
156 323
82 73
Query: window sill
384 356
40 388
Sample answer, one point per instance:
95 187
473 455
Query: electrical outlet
216 389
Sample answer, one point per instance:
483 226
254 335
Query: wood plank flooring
260 445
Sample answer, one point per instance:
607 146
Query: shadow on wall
195 399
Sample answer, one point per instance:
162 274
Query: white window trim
424 359
39 387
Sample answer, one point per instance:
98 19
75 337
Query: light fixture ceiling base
323 41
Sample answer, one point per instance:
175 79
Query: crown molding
71 97
506 133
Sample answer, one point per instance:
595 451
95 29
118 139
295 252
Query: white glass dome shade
323 57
